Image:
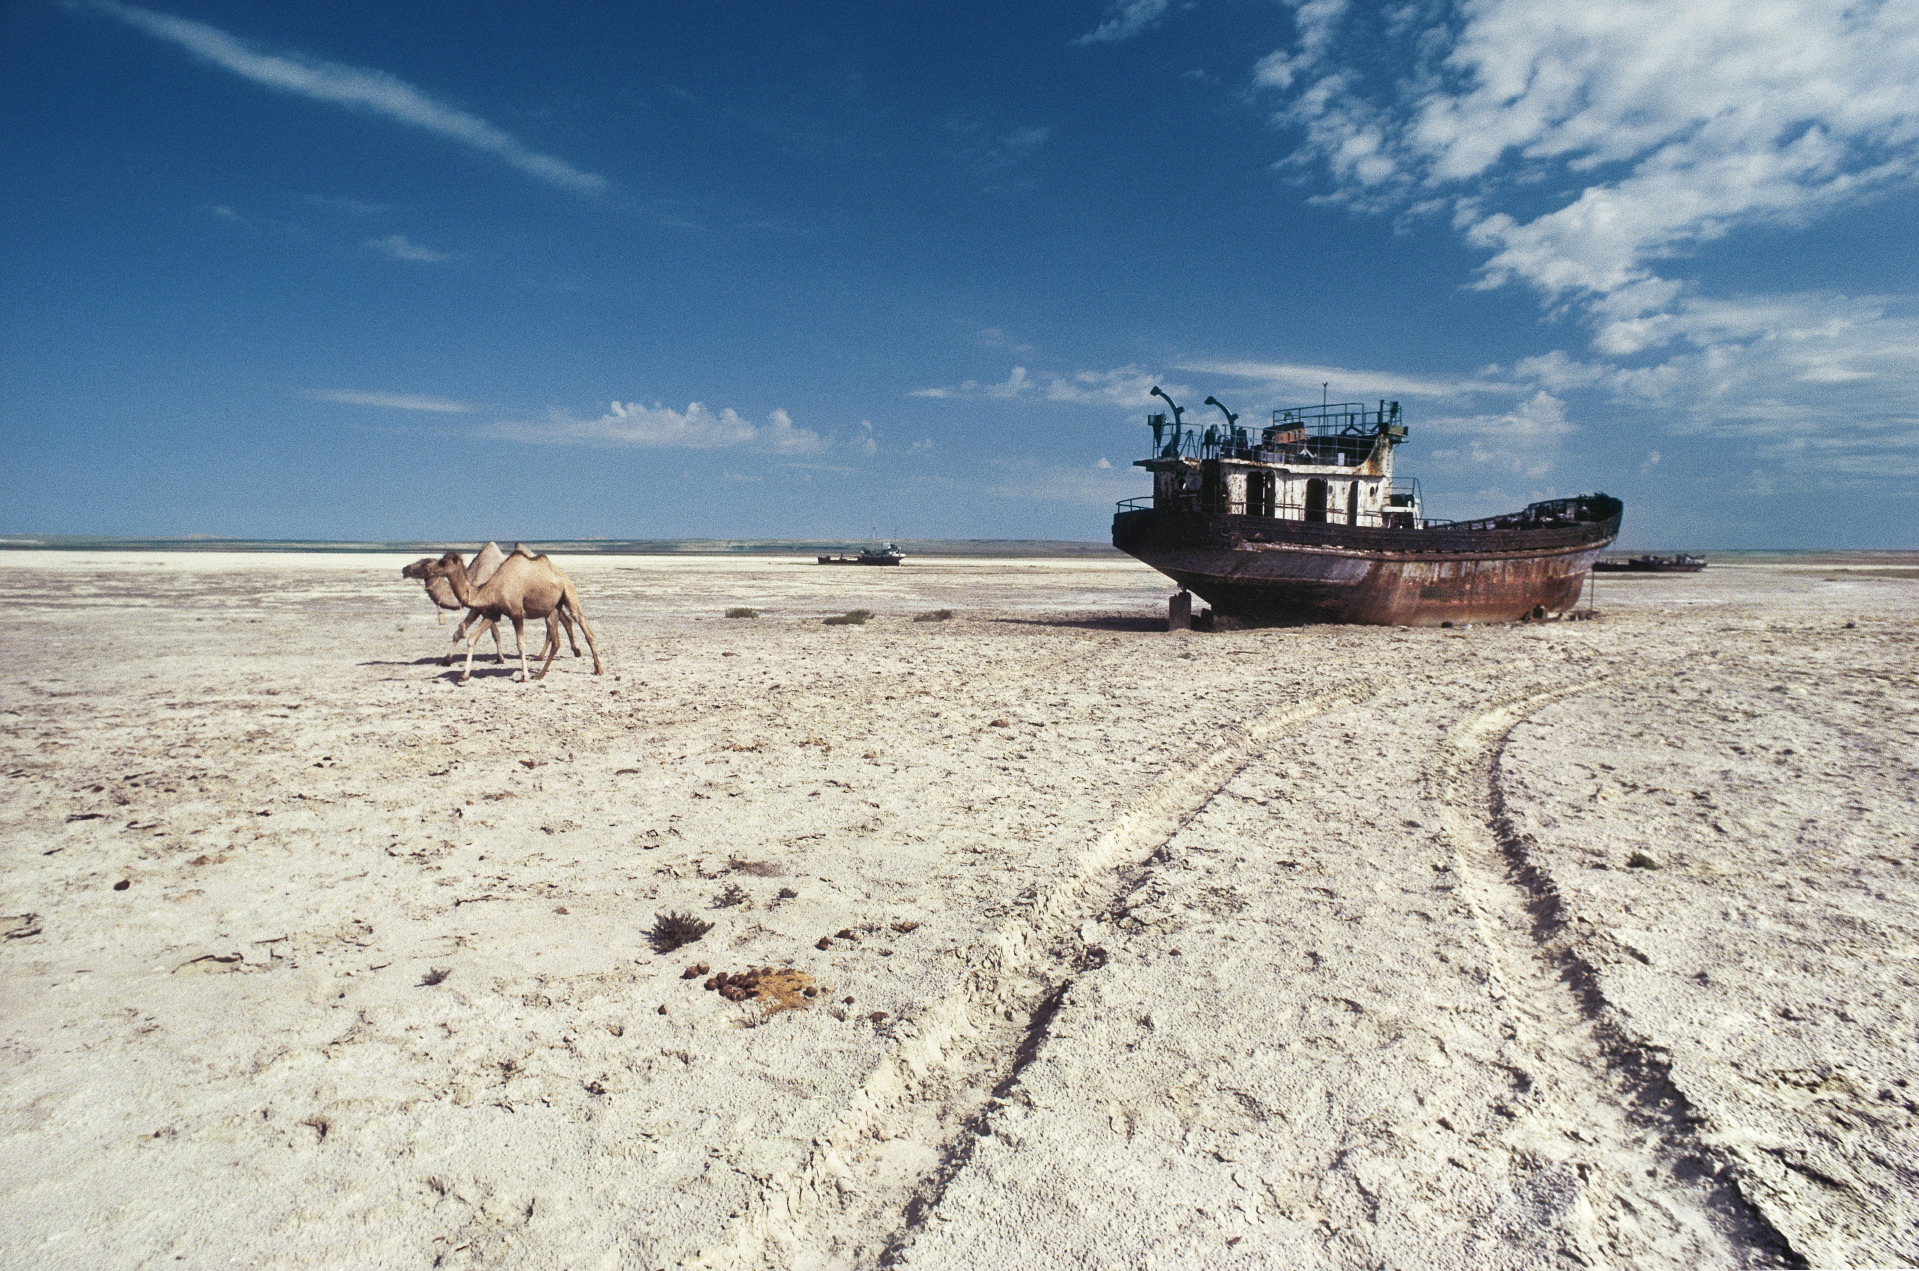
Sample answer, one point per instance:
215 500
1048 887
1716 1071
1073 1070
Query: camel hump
486 564
521 549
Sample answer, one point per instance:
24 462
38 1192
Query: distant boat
1678 564
888 555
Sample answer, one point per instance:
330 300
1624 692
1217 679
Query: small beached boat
1679 564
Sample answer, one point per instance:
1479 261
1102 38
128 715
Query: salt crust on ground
1313 948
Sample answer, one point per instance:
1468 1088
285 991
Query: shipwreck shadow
1095 622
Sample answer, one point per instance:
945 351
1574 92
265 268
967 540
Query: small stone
1643 860
1000 723
123 884
662 1011
824 942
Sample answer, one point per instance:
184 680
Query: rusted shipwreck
1302 521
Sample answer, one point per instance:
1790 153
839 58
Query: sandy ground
1310 948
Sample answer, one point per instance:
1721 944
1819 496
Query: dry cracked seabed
1316 948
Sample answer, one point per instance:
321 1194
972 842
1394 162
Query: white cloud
1344 382
1126 386
1589 148
354 87
400 247
1523 440
1701 117
1125 19
659 427
868 442
393 401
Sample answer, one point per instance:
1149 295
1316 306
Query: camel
525 586
440 592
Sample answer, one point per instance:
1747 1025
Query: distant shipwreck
1302 521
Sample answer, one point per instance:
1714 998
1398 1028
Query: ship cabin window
1352 503
1259 494
1316 499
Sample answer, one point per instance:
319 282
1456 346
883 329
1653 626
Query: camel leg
552 649
566 620
459 636
472 639
572 601
499 650
519 638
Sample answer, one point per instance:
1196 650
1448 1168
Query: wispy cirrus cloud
1095 483
1299 381
392 401
1290 383
1125 19
1124 386
354 87
400 247
630 424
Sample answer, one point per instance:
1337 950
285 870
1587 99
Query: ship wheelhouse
1331 463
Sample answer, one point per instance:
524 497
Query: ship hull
1284 572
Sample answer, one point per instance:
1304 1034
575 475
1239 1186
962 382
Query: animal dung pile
775 988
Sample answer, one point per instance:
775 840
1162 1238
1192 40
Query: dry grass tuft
670 931
851 618
934 615
742 612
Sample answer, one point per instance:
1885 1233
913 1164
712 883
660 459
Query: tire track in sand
1676 1200
872 1174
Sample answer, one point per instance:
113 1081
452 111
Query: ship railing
1389 517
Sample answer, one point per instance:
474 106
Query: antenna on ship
1322 392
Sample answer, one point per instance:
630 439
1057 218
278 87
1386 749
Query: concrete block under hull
1288 586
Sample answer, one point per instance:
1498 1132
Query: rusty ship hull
1279 571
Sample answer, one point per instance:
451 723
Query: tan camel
440 592
525 586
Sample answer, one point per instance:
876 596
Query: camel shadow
1104 622
415 662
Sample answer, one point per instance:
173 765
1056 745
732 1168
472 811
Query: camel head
430 568
417 569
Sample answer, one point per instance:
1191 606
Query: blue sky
756 270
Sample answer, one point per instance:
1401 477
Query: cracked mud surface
1315 948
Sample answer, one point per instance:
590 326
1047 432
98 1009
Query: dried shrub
851 618
670 931
434 976
730 895
934 615
742 612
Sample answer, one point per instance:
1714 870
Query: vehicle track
851 1202
1595 1083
